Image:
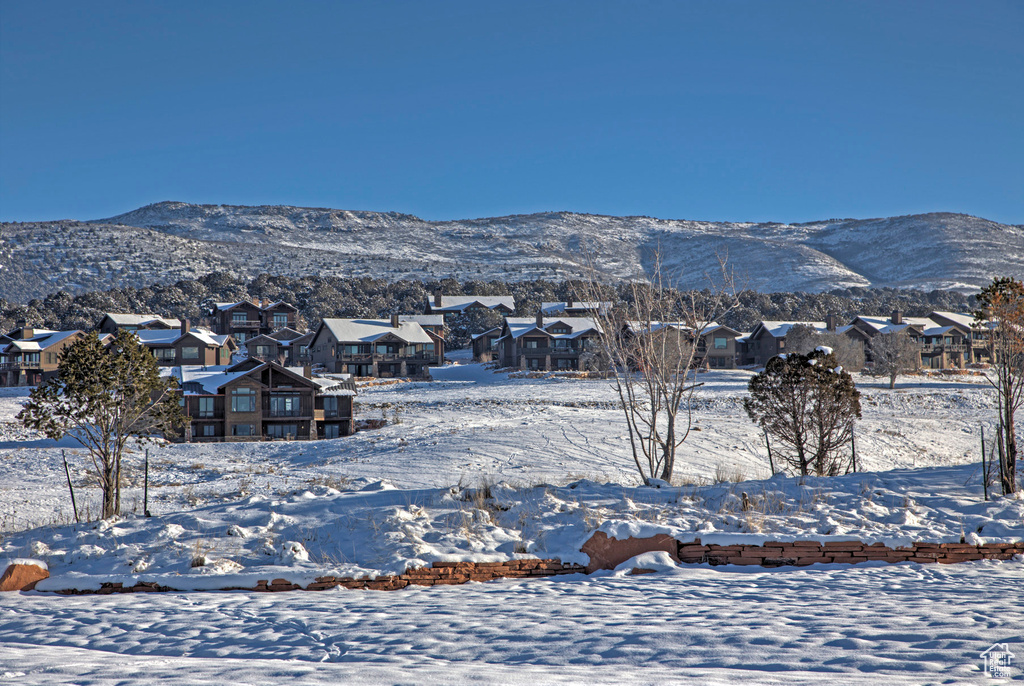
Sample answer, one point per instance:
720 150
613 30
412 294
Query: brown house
29 356
286 346
257 401
187 346
716 348
244 320
485 346
768 339
567 343
373 347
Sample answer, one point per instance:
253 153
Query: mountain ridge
171 240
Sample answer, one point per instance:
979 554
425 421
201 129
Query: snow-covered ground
479 466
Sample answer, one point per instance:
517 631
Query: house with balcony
434 325
943 344
373 347
29 356
244 320
715 346
113 322
259 401
188 346
285 346
768 339
561 343
978 339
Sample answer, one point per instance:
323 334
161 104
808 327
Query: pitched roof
172 336
130 319
41 340
423 319
520 326
459 303
551 308
370 330
779 329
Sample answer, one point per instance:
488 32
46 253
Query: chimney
394 321
185 326
540 319
830 323
568 304
266 303
897 317
307 371
437 297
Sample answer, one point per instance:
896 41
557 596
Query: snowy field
555 458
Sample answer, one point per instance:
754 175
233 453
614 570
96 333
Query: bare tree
894 353
849 353
649 343
808 404
1002 309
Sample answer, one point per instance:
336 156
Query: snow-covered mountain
172 240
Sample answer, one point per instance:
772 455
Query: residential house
567 343
244 320
254 400
188 346
283 346
113 322
485 344
943 344
373 347
715 349
458 304
29 356
768 339
978 341
433 324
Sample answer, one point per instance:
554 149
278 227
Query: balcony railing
244 325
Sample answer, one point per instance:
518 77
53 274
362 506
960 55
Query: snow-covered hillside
172 240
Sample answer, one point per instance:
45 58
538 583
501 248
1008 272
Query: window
209 430
533 363
205 408
331 431
240 336
164 353
243 430
282 430
721 342
190 352
531 343
239 318
284 405
331 406
280 320
263 351
243 400
565 363
562 343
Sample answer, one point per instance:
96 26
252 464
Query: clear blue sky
785 111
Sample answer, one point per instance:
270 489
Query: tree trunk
892 381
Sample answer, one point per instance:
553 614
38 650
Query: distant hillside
168 241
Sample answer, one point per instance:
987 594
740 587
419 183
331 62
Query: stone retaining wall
801 553
608 553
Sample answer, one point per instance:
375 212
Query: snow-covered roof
370 330
210 378
551 308
172 336
495 330
285 334
779 329
423 319
130 319
459 303
41 340
519 326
